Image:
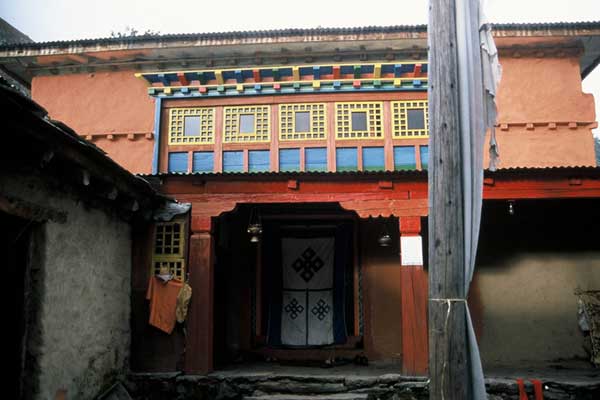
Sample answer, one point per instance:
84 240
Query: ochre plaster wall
382 297
542 91
529 307
102 103
528 268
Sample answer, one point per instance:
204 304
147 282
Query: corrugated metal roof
11 36
274 33
289 174
371 174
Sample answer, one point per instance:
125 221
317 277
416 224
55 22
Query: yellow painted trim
170 258
396 81
280 66
358 106
176 129
290 108
400 118
237 111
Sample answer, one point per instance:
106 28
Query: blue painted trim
404 158
157 110
373 159
233 161
203 161
315 159
424 150
346 159
258 160
264 89
289 160
178 162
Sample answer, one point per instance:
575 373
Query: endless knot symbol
308 264
294 309
320 310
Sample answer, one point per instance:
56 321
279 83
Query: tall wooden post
199 339
447 326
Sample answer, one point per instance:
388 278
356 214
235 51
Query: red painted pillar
414 298
199 340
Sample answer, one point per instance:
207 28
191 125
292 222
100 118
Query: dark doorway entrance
15 237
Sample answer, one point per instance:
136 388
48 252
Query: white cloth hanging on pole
478 77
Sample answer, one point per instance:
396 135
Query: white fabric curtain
478 76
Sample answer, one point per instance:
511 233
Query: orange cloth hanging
163 302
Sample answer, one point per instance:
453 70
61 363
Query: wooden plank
449 376
199 339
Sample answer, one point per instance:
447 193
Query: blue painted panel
326 70
203 161
315 159
228 74
305 71
387 68
316 72
424 67
404 158
191 76
346 159
285 71
424 157
233 161
373 159
157 114
367 69
289 160
347 69
258 160
178 162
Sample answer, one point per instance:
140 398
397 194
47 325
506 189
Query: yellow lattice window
246 124
168 250
302 121
410 119
359 120
191 125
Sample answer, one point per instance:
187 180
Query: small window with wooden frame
191 126
246 124
302 121
168 251
359 120
410 119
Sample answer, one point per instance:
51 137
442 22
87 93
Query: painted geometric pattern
320 310
204 132
168 248
308 264
400 126
317 122
294 309
232 125
374 120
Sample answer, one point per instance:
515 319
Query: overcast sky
46 20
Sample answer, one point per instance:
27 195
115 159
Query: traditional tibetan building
304 155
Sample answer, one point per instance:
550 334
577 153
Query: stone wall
79 296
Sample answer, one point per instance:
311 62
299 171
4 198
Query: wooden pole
448 369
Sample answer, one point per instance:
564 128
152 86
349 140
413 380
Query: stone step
334 396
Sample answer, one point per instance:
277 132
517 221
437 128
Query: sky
47 20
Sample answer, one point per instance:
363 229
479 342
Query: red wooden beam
182 79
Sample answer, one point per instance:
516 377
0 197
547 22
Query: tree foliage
130 31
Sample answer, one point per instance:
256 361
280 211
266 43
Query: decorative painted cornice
531 126
324 78
118 135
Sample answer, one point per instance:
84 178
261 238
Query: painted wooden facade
324 135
